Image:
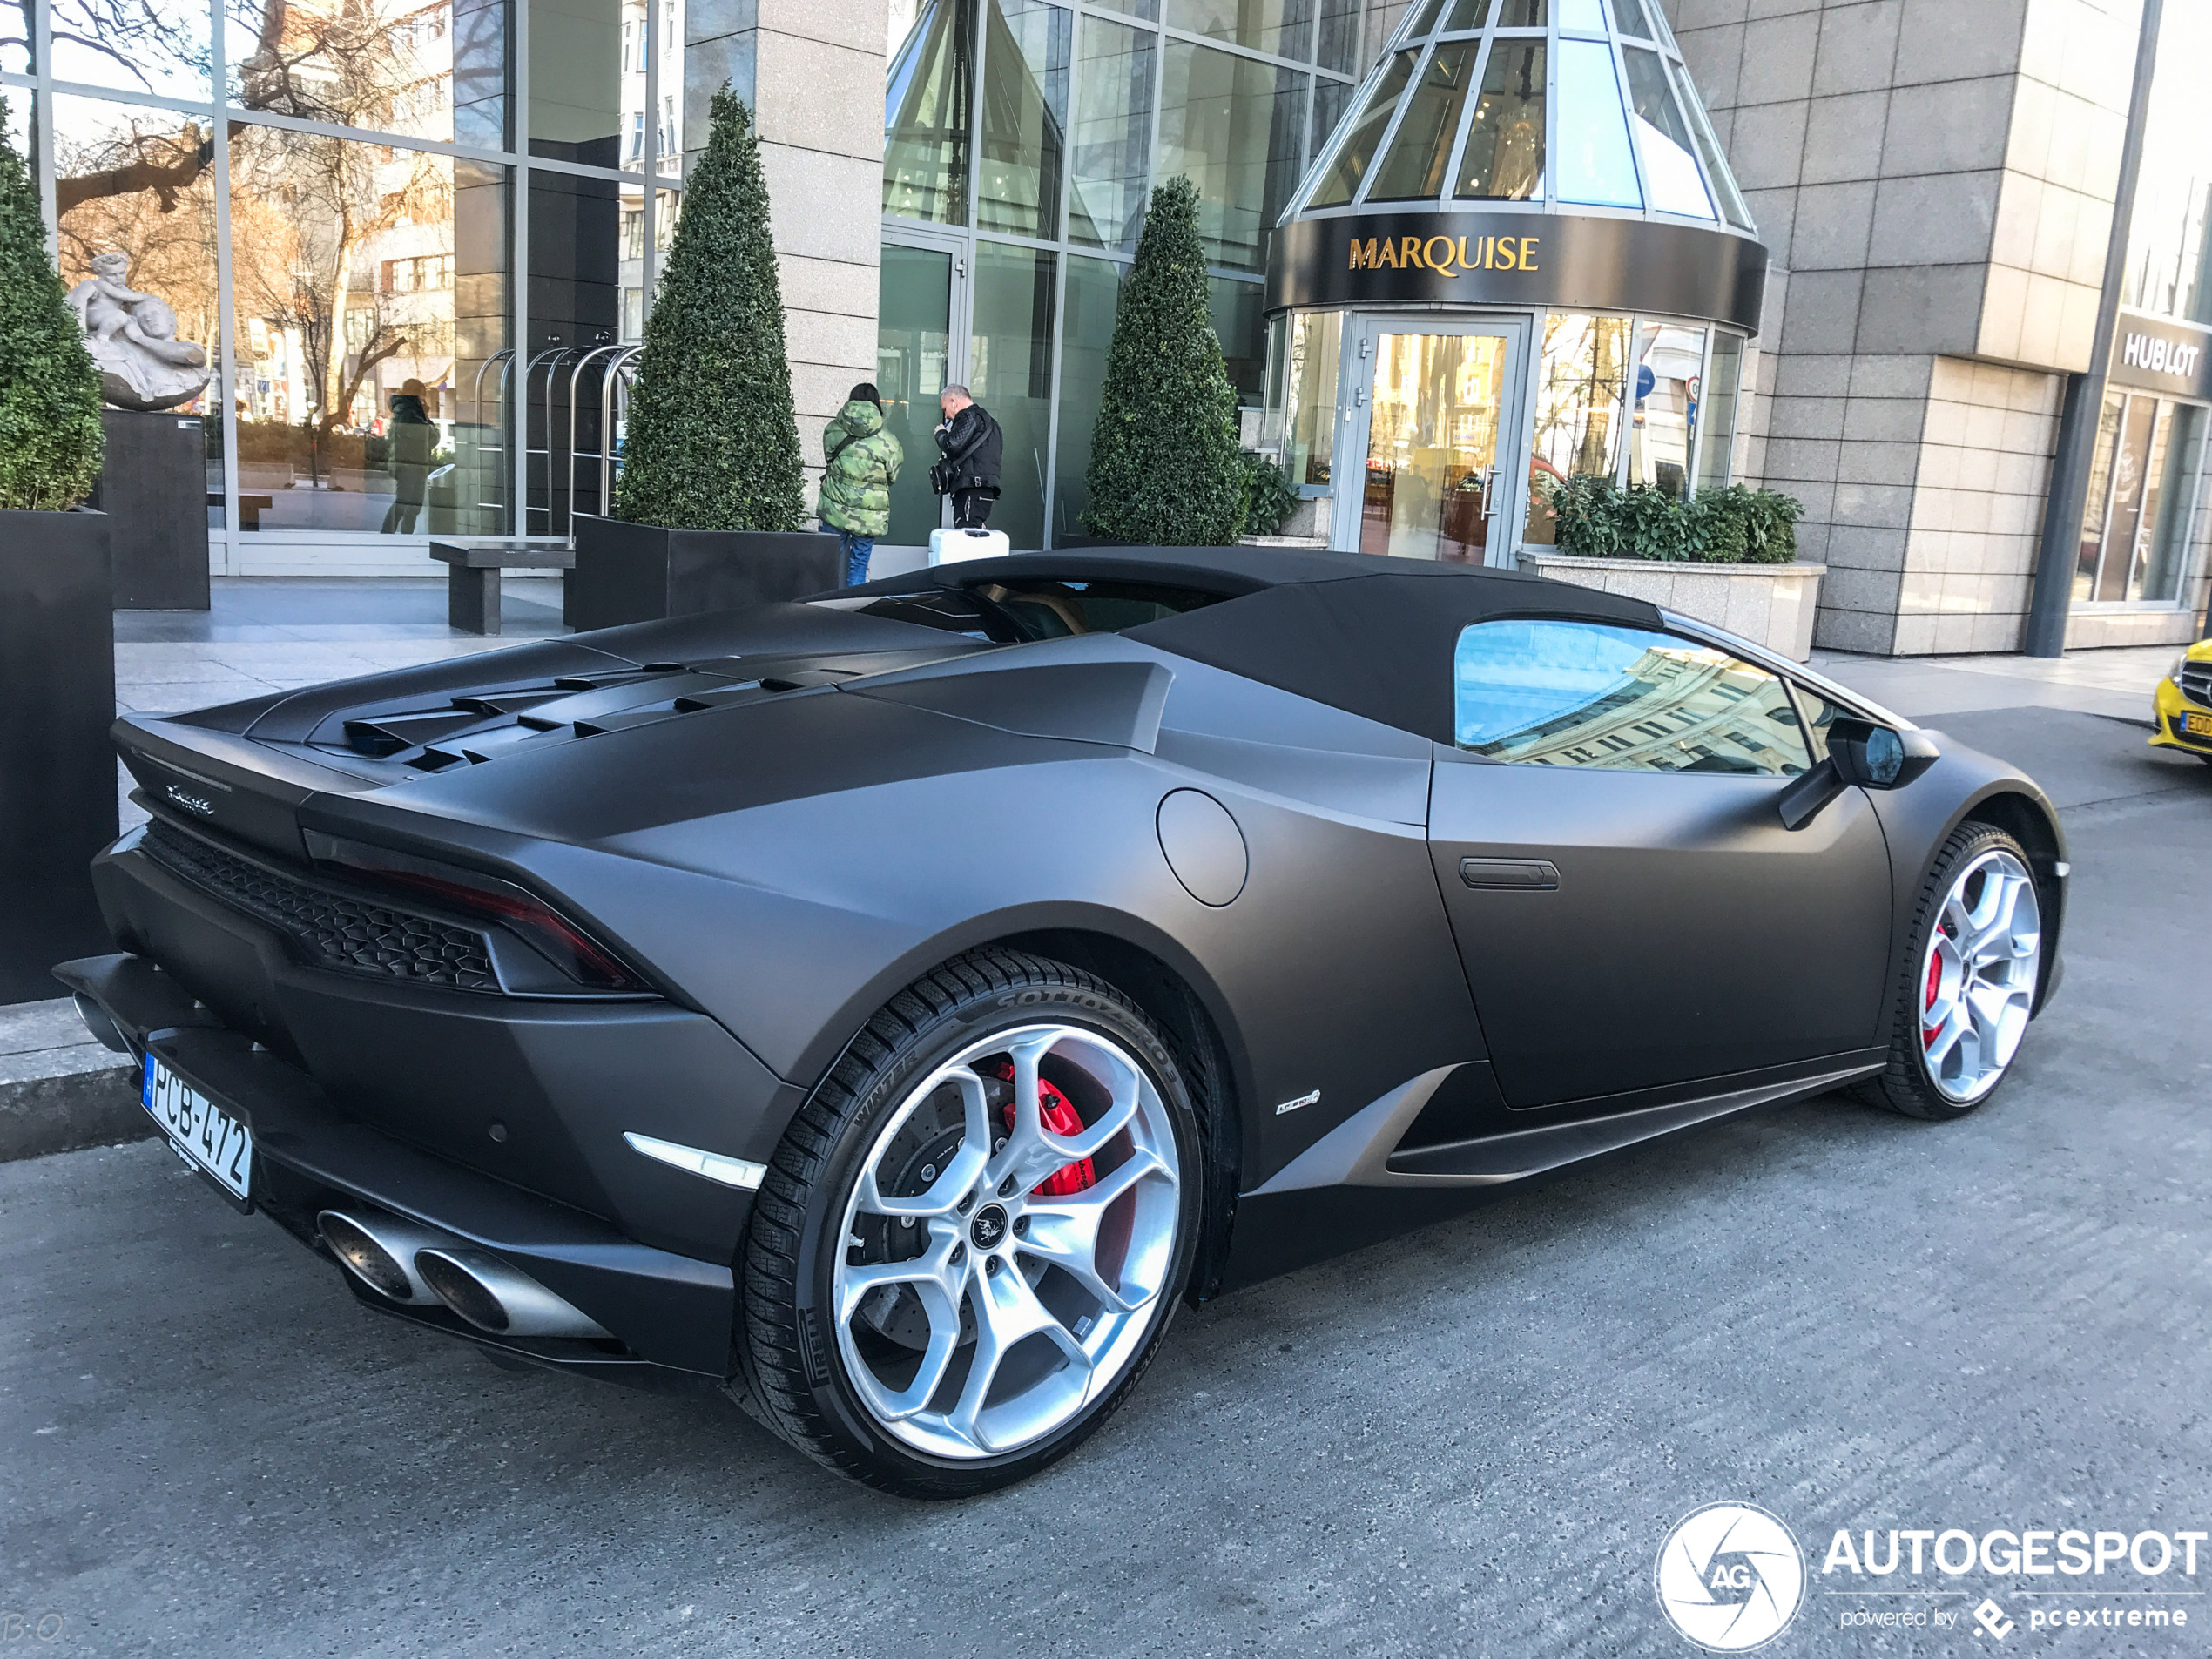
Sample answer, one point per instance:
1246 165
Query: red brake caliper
1935 984
1058 1115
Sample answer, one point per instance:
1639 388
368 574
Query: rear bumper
663 1309
533 1091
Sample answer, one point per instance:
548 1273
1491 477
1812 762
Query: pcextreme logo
1731 1577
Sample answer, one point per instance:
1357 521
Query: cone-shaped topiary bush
1165 467
50 438
713 443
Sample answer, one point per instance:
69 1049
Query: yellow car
2183 703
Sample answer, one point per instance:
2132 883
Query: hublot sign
2154 354
1517 259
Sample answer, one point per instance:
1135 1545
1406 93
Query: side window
1625 699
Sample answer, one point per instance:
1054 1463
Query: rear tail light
485 898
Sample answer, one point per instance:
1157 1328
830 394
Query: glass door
1435 411
920 346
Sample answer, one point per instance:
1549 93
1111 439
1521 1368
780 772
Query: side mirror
1861 752
1876 756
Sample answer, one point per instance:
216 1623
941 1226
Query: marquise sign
1589 263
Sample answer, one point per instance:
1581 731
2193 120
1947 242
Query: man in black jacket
973 446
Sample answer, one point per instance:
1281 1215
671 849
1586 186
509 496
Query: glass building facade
1021 142
354 204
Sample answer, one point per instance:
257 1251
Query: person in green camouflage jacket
864 461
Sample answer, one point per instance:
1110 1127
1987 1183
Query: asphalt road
1471 1440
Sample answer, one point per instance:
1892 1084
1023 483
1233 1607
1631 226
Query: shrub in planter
713 442
51 437
709 510
1731 526
57 635
1165 467
1270 497
1763 522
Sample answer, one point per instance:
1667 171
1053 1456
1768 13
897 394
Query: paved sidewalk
277 634
38 1039
2116 682
58 1088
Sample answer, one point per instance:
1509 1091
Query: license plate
209 1138
2197 725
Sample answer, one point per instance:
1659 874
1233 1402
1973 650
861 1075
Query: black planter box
57 769
153 489
628 572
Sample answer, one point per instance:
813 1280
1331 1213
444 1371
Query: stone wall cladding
1934 183
1977 506
1770 604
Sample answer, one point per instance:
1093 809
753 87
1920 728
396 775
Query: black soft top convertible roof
1374 637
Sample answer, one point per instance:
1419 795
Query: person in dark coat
415 440
973 446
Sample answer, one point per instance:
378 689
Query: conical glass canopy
1564 103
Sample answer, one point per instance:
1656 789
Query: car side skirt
1356 1188
1364 1150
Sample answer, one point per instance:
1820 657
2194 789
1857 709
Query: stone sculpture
132 337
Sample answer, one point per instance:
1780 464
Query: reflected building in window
1621 699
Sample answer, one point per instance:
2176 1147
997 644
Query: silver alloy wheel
976 1313
1977 979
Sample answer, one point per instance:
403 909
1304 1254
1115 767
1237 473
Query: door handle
1517 875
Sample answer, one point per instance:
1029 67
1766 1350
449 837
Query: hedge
1595 520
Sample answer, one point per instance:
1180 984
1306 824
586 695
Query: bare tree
131 34
350 64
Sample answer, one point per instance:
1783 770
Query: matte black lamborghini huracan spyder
888 1007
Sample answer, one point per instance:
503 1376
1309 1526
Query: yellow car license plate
2197 725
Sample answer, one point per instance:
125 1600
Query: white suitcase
951 547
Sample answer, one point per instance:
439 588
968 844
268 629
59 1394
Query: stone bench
473 566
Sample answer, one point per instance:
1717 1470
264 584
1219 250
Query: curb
40 1116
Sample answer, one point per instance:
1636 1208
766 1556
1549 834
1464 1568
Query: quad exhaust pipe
419 1266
